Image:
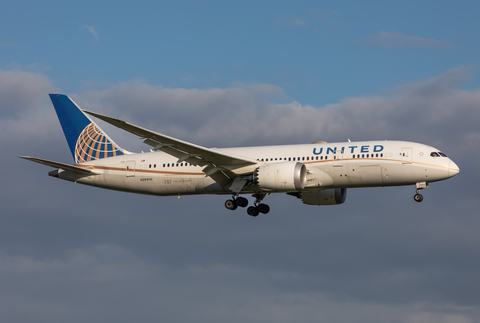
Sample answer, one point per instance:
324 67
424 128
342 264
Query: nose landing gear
420 186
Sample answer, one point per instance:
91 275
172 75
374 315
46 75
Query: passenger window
150 166
308 158
303 158
163 165
326 157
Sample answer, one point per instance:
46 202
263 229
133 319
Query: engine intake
283 176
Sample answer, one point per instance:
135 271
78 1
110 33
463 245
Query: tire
230 204
252 211
242 202
418 197
263 208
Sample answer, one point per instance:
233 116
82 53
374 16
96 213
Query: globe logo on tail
94 144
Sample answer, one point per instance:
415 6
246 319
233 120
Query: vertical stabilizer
86 140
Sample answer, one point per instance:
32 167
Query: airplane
318 173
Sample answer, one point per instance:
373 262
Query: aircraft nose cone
453 169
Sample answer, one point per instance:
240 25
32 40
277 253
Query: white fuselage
329 165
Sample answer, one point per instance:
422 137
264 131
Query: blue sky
317 52
222 74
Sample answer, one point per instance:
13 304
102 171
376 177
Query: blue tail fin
86 140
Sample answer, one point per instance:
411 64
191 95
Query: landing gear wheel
230 204
252 210
263 208
418 197
242 202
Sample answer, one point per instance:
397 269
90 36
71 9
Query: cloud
289 22
20 91
91 29
380 257
385 39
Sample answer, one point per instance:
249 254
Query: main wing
215 161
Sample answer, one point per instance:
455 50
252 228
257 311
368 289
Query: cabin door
130 168
407 155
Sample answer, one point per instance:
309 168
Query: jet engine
332 196
283 176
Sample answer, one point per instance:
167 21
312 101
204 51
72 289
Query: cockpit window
437 154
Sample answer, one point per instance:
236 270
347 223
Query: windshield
437 154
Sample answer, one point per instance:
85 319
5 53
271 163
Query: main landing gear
254 210
236 202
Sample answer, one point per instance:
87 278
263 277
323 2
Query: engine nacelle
283 176
331 196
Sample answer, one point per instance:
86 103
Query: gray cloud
75 253
21 91
396 40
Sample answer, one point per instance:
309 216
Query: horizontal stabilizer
70 168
